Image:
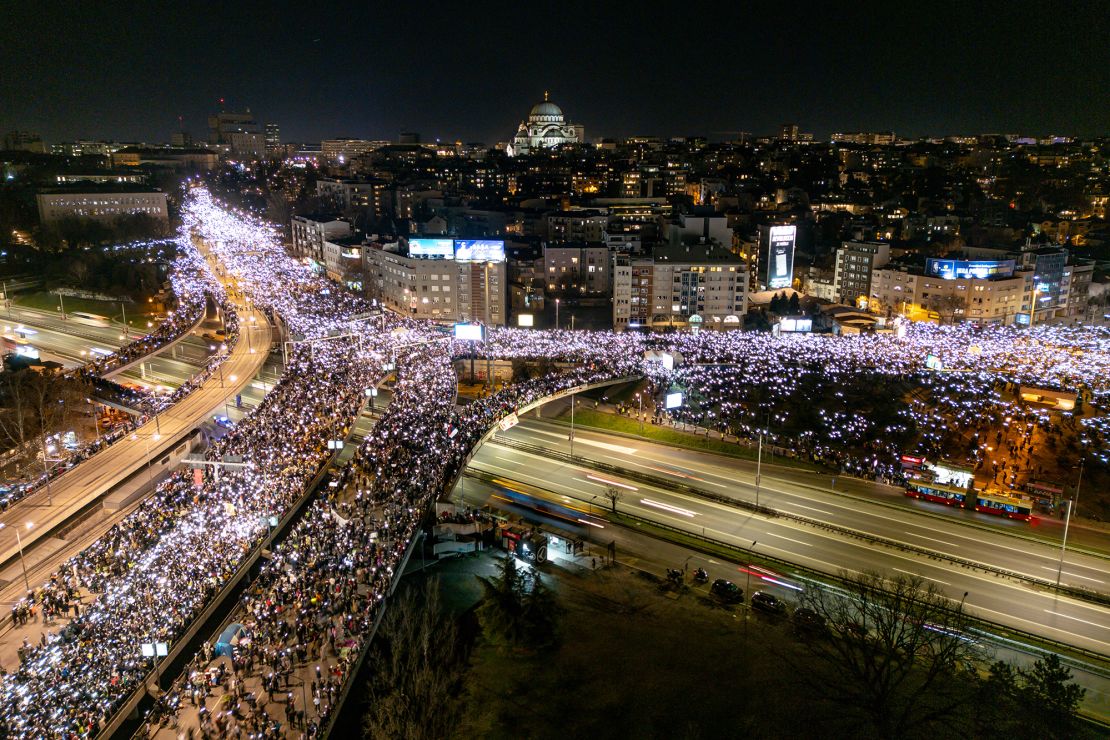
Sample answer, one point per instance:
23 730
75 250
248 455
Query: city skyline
473 78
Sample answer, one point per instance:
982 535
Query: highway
874 508
68 342
91 479
1001 600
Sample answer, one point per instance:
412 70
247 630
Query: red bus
999 504
941 494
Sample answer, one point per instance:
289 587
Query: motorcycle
701 576
674 576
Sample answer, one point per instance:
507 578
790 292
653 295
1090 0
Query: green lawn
46 301
612 422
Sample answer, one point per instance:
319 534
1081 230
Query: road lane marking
933 539
791 539
582 441
919 575
1074 575
1077 619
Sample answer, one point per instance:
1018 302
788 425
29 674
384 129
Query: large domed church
545 128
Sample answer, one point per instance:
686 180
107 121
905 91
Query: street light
22 562
640 398
556 313
1067 521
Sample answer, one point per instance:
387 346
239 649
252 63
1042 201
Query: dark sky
472 70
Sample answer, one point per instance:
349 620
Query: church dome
546 111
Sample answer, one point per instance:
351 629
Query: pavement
998 599
71 492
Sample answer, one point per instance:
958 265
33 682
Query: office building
104 203
225 123
196 160
272 134
974 291
438 288
341 151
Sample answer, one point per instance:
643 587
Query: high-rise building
273 139
237 134
854 263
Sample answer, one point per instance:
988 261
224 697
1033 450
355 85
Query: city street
88 481
1009 602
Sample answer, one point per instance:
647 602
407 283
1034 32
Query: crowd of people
313 605
193 287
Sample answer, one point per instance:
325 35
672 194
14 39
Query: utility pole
758 467
1067 522
572 405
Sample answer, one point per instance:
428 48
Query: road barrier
1073 591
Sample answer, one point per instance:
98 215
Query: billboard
780 257
469 332
672 401
958 269
480 250
796 324
525 319
432 248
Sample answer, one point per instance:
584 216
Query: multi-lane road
998 599
74 490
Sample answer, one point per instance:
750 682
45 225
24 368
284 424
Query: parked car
768 603
808 622
727 591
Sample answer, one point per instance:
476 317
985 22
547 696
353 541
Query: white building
545 128
312 229
104 205
347 194
696 286
437 289
997 299
580 225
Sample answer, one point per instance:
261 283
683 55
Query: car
768 603
808 622
727 591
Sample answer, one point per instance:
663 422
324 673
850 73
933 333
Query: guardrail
692 539
187 641
1073 591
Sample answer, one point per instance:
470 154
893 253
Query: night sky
471 71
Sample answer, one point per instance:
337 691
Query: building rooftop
695 253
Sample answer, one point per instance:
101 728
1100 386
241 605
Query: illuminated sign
802 325
933 362
963 269
525 319
780 257
432 248
672 401
469 332
480 250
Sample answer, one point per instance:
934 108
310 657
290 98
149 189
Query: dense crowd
324 585
193 287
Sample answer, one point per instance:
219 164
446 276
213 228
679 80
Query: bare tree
417 669
894 651
614 495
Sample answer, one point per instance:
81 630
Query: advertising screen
469 332
954 269
780 257
673 401
480 250
432 248
933 362
525 319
